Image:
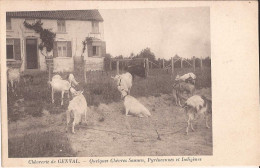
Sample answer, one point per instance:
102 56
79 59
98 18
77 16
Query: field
37 127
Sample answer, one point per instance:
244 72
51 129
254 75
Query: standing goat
194 106
13 77
182 87
76 109
59 85
124 81
132 105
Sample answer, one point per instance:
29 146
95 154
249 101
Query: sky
166 31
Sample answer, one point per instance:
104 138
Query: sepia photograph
132 82
154 83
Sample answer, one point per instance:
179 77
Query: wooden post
110 65
172 66
201 63
194 63
147 66
85 72
181 62
49 72
163 63
117 67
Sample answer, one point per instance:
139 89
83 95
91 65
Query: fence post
117 67
49 72
194 63
201 63
110 65
163 63
181 62
172 66
147 66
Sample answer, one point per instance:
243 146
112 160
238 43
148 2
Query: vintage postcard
129 83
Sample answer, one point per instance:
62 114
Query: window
62 49
9 49
95 27
8 23
61 26
96 51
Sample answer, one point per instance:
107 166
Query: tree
147 53
47 36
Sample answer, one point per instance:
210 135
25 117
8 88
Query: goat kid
124 80
197 105
132 105
59 85
76 109
13 77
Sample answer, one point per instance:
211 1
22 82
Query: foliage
146 53
47 36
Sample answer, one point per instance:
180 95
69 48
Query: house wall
76 32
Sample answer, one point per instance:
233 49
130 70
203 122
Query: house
71 27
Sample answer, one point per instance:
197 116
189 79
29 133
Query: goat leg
52 95
207 122
73 125
68 120
126 111
62 95
188 125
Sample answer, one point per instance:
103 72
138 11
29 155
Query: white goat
76 109
13 76
59 85
132 105
189 76
124 81
56 77
72 80
197 105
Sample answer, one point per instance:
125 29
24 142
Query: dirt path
118 135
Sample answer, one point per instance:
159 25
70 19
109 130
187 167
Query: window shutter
17 49
69 51
103 49
55 51
90 50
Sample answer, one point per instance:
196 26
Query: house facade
71 29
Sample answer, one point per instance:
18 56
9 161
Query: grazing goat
132 105
182 87
137 70
194 106
189 77
13 77
76 109
124 81
72 80
59 85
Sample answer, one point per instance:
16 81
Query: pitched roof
64 14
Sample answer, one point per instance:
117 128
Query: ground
37 127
